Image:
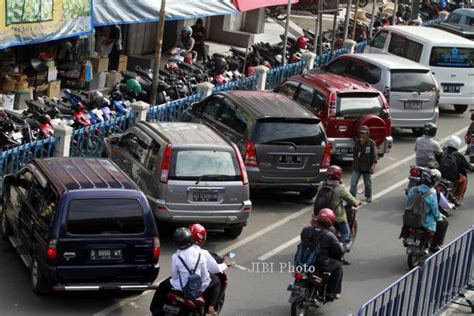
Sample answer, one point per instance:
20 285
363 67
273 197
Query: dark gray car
283 144
189 173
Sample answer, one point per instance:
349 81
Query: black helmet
220 64
430 129
182 237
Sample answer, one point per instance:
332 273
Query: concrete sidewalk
458 309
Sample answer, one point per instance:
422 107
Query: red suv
343 104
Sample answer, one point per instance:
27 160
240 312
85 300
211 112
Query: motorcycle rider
186 41
330 250
469 133
339 194
455 168
434 221
427 150
187 255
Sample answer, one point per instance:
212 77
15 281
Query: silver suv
188 172
409 87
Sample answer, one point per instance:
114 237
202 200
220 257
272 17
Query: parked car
80 225
459 22
188 172
344 105
284 145
450 57
409 87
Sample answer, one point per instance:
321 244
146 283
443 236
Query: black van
80 225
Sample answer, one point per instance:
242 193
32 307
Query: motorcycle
276 12
417 246
177 304
308 292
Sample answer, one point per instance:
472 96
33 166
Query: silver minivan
409 87
188 172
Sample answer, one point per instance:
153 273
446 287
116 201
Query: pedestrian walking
365 158
199 35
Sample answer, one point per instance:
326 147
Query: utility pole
287 26
395 9
320 20
348 16
159 43
374 6
354 26
334 22
316 35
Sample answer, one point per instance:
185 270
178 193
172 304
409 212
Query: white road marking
281 222
289 243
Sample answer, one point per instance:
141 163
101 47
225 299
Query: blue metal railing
90 141
359 47
248 83
427 289
171 111
277 75
433 22
326 57
12 160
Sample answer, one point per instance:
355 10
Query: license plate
290 159
294 288
106 254
450 88
17 135
344 150
412 242
413 105
205 196
171 309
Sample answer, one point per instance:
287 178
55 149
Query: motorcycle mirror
231 255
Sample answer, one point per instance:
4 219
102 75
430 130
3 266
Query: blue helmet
443 4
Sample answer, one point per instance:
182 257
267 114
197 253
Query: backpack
414 215
192 289
448 167
324 198
308 249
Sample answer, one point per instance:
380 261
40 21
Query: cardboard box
54 89
99 65
122 66
112 79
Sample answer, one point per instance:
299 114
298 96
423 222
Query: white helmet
188 30
454 142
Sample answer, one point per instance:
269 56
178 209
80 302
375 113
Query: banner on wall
32 21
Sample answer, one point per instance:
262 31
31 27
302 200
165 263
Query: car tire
6 228
39 284
418 131
309 194
233 232
460 108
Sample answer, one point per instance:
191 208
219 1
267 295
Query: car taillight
414 172
52 251
165 165
251 155
386 94
299 276
326 157
156 249
332 104
243 171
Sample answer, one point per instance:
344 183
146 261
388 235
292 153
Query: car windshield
202 164
292 132
109 216
411 81
452 57
358 105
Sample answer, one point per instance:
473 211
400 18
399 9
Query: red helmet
334 172
302 42
199 234
326 218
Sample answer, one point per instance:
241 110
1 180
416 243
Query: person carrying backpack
425 213
320 248
454 166
189 274
331 194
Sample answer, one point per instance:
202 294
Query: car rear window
215 165
452 57
411 80
351 105
105 217
297 132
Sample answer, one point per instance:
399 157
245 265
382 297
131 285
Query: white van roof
388 61
431 35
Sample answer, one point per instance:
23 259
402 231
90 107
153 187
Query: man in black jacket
330 250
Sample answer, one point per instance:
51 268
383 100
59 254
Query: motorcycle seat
176 296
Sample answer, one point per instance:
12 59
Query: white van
450 57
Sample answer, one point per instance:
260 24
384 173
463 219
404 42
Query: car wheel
309 194
418 132
233 232
460 108
39 284
6 228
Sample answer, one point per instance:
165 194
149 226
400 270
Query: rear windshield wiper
214 177
277 142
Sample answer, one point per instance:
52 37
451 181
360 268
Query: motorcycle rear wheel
297 308
413 261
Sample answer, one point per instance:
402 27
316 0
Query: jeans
345 231
367 183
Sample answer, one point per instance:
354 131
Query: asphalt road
378 257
